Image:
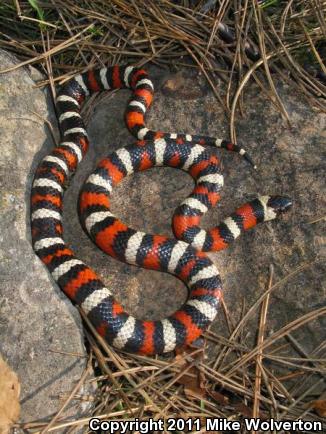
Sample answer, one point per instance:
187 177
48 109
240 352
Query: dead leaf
319 406
9 397
218 397
192 380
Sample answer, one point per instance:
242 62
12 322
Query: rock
36 319
290 162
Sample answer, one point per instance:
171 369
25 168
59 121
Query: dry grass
271 377
231 42
271 41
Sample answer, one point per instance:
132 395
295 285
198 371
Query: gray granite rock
290 162
35 318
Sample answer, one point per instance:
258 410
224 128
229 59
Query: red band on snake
183 257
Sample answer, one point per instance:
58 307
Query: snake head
273 206
279 204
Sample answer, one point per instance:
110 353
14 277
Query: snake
183 256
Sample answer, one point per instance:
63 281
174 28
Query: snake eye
280 203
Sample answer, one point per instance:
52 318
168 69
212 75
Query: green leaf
36 7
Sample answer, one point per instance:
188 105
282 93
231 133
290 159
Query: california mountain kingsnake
184 258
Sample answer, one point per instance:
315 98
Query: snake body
184 257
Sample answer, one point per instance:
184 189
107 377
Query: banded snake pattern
183 257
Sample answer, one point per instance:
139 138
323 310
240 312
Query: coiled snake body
185 257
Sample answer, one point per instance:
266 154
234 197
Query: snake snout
280 204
